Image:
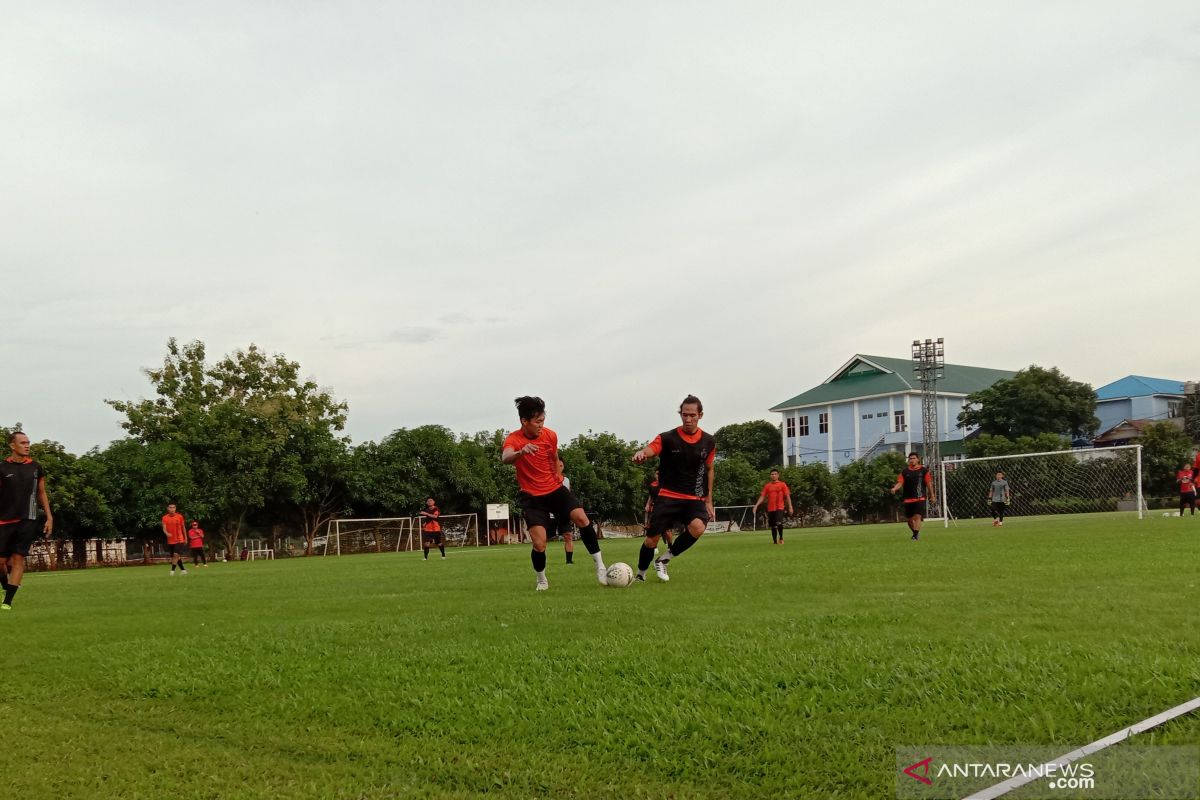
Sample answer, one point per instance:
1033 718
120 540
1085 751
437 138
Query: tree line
246 445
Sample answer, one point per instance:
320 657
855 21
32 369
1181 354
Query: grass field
758 671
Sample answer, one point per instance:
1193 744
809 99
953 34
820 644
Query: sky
436 207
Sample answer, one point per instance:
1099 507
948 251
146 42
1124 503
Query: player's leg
646 554
569 546
537 555
696 514
441 544
426 540
573 510
916 513
17 550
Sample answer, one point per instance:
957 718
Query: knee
696 528
652 541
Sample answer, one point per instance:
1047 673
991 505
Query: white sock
598 558
665 557
542 575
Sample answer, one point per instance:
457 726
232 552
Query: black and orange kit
917 483
18 505
682 477
431 529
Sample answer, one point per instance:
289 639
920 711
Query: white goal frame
1088 453
405 527
747 513
465 531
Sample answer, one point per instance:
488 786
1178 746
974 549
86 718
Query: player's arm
761 496
788 496
929 486
44 500
649 451
510 455
899 483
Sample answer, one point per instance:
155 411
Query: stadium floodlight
929 363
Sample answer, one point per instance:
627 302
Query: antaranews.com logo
929 773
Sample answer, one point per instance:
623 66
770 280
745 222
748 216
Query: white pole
339 537
1139 482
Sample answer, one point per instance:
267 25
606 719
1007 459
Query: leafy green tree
985 445
603 475
862 487
1034 401
239 421
758 443
738 483
1165 448
813 491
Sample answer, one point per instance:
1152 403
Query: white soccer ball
619 575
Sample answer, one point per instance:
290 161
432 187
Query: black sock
774 536
425 550
587 535
538 559
682 542
10 592
645 556
4 580
780 532
570 554
442 549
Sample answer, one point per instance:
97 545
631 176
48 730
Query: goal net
732 519
1064 482
459 530
349 536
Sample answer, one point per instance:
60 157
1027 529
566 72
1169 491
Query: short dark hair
774 469
430 498
529 407
12 437
692 400
914 453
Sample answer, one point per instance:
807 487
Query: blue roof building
1136 397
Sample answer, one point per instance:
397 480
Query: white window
802 422
1174 408
791 427
823 422
900 426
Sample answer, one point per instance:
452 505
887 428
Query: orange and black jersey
776 494
683 463
18 488
430 523
917 483
537 473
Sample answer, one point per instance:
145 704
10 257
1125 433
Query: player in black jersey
917 484
685 475
22 490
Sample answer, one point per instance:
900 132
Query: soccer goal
1062 482
732 519
349 536
461 530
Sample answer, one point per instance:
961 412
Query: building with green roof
872 404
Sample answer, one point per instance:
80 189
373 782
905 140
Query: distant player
533 450
431 528
1187 489
999 495
685 469
22 490
173 527
917 484
651 496
777 494
195 536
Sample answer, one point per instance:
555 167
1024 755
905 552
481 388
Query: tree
239 421
986 445
862 486
604 477
812 488
758 442
1032 402
738 483
1165 449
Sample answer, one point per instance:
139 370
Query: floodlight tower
929 362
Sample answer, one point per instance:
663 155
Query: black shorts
197 549
671 511
998 508
545 510
17 537
915 509
177 549
775 517
435 537
1187 497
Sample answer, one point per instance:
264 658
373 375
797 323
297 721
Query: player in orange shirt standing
777 494
1187 489
917 483
195 535
431 529
533 450
173 527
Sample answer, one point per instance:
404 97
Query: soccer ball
619 575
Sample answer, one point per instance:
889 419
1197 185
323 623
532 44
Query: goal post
732 519
383 535
460 530
1102 479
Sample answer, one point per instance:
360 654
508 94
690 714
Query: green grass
759 671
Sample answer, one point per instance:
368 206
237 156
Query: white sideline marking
1152 722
